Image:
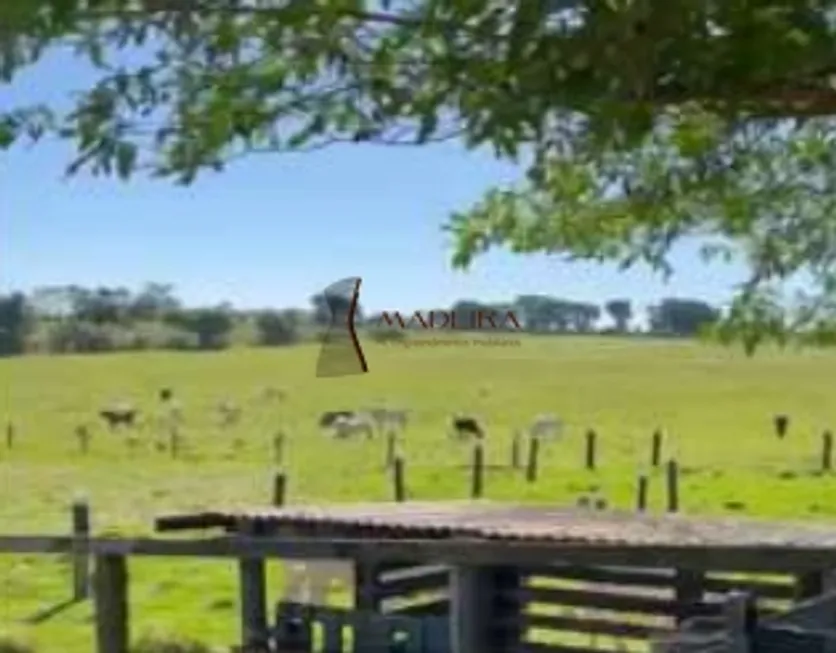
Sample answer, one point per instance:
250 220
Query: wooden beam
367 599
471 596
253 599
688 586
508 610
111 602
813 583
485 609
766 558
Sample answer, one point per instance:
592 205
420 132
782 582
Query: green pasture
715 405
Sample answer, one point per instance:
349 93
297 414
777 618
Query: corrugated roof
493 520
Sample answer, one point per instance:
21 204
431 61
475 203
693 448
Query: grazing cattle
175 412
119 416
387 419
272 394
397 419
379 417
329 417
168 416
345 426
546 426
230 413
465 427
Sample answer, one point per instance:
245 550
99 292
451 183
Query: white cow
388 419
546 426
396 419
229 413
345 426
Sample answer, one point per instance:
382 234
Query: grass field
716 406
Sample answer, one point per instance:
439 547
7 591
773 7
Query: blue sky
273 230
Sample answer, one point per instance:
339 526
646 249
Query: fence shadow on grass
49 612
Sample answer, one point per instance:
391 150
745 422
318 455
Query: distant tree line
74 319
544 314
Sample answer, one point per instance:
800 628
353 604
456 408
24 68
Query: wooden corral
613 579
477 577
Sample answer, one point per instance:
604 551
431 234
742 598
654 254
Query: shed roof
512 522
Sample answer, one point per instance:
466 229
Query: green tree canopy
681 317
620 310
641 122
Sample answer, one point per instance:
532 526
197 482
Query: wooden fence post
253 589
477 480
673 485
688 587
515 450
641 493
398 480
470 599
391 448
111 601
591 449
656 449
83 435
81 554
279 489
533 453
508 611
827 451
174 442
367 598
278 448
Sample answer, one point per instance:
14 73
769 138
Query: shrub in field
158 335
180 340
76 336
275 328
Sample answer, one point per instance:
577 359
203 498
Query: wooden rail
735 559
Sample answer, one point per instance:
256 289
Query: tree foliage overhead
642 122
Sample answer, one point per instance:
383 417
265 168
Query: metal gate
303 628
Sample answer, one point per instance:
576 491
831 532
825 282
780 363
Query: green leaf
126 155
8 133
428 125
